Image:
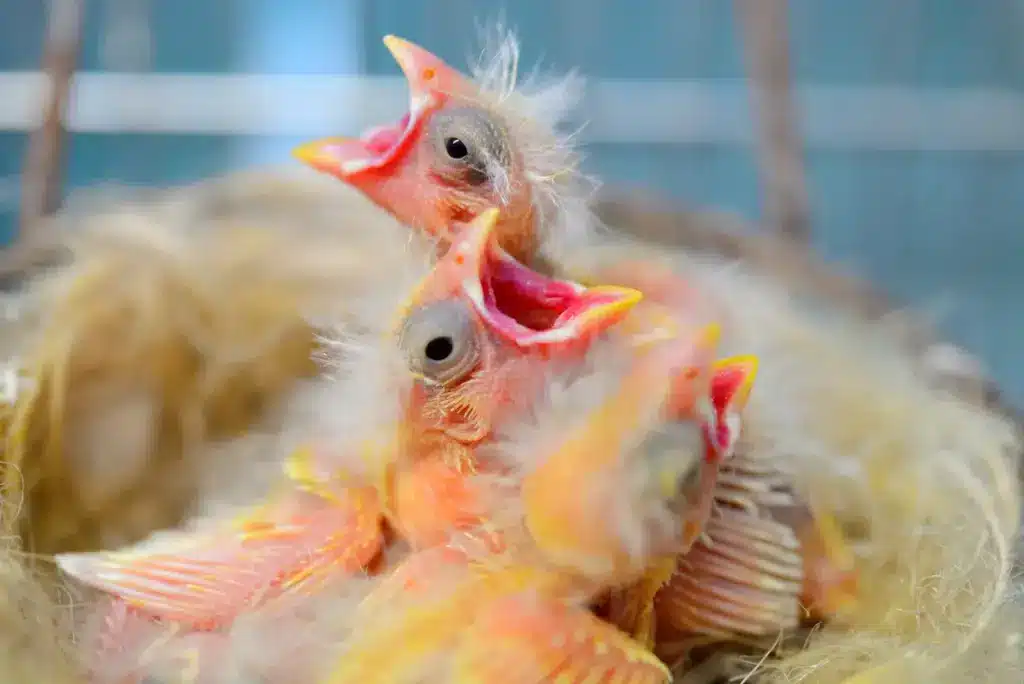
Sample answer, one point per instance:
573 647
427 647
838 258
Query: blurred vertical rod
765 44
41 177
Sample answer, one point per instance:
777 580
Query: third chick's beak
382 149
524 307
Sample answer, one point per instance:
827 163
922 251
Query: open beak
525 307
517 304
731 381
431 83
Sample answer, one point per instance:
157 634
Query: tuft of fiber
179 319
995 654
35 634
923 482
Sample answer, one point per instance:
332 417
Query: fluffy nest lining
149 276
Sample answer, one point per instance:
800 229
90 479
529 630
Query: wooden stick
41 179
765 42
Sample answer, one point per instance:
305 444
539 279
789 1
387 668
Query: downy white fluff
924 483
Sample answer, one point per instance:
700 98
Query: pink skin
397 168
205 582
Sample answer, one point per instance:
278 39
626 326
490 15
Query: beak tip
477 234
617 303
489 217
485 223
302 153
322 155
632 297
310 153
396 46
749 365
624 299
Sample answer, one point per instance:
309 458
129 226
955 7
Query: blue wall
939 227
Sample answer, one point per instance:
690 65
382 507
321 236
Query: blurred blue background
913 115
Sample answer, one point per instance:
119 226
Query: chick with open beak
591 505
579 506
472 334
463 148
475 336
502 152
480 333
451 157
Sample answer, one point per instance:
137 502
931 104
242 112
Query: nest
209 330
191 368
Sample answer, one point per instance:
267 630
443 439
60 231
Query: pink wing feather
205 578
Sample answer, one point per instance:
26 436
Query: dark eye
440 342
470 144
439 349
455 148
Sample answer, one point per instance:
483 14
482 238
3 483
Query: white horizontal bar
618 111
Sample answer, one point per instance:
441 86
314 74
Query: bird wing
209 575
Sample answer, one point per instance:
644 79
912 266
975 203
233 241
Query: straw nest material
178 319
175 320
35 644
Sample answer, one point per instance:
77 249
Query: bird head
478 327
465 145
608 465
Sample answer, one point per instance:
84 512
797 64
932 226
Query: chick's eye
469 145
455 148
439 349
440 342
